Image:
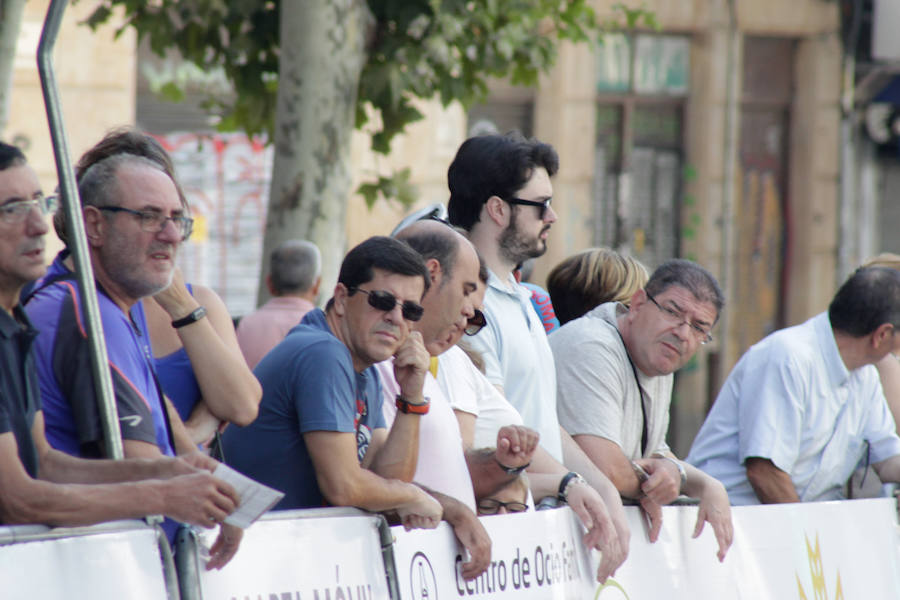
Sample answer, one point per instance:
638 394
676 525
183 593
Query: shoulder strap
637 382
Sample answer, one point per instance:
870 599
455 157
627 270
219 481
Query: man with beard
500 193
614 371
134 222
39 484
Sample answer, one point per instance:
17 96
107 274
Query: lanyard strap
637 382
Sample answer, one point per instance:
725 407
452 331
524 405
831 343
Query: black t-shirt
19 389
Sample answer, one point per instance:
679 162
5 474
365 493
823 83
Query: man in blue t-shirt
320 435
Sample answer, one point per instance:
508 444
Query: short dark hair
294 266
432 239
124 140
692 277
493 165
11 156
868 299
384 253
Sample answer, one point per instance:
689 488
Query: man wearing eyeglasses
500 193
320 436
614 373
37 479
804 406
135 222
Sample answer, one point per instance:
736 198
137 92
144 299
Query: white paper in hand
256 498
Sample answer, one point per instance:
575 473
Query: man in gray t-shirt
614 371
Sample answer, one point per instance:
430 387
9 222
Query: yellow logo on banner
817 575
615 589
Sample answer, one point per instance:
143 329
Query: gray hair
294 266
99 185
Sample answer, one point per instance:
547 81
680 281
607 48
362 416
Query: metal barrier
73 563
296 553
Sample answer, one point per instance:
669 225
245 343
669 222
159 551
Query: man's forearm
59 467
771 484
398 455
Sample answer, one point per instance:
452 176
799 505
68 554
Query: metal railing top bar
13 534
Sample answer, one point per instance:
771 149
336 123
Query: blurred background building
758 137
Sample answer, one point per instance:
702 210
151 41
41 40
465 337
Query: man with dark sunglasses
454 476
500 193
320 436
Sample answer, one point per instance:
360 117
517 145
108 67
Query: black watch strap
511 470
197 314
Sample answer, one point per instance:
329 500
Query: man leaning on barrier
39 484
614 374
320 436
804 406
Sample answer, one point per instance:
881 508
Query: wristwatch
568 481
511 470
197 314
405 406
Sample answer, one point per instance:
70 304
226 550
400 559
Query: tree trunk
322 56
10 22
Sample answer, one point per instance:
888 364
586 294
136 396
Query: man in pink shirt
293 281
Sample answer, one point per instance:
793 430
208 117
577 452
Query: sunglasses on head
386 301
476 323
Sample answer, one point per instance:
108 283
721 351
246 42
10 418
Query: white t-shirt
468 390
517 358
596 389
441 464
791 399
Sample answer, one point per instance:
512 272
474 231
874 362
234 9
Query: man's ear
269 286
341 294
496 210
638 299
95 225
434 271
883 335
314 290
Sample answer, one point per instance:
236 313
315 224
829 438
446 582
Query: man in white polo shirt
500 193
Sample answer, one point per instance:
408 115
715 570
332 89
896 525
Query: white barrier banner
335 558
106 566
813 551
821 551
534 555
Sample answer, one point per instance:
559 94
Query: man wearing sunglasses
320 436
500 193
443 466
614 374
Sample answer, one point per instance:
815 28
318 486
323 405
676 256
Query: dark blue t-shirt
308 384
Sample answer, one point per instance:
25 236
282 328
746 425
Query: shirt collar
512 288
834 364
16 323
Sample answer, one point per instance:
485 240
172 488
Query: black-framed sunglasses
154 222
386 301
542 205
475 323
490 506
677 319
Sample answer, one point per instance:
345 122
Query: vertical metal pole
77 245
